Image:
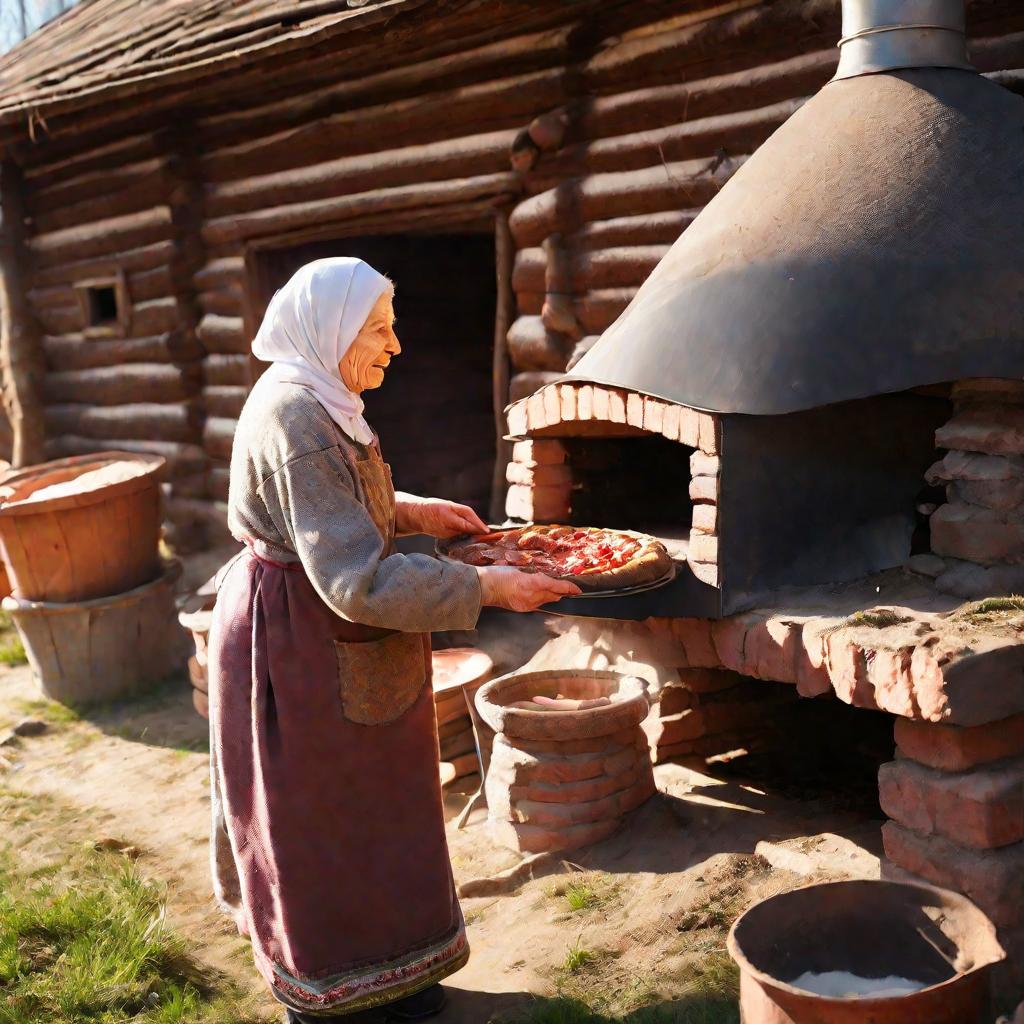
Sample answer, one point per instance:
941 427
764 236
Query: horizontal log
223 272
226 369
223 302
485 106
645 229
182 459
570 205
118 385
143 421
217 482
148 192
635 110
451 158
73 352
158 316
94 184
45 172
733 134
158 283
218 436
224 400
532 347
598 310
732 42
460 68
195 510
194 486
59 319
102 237
303 215
223 334
146 257
525 384
589 270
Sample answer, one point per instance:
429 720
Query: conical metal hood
871 245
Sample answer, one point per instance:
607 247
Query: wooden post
504 254
21 360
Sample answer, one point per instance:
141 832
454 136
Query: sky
19 18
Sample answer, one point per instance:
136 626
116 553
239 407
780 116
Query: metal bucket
874 930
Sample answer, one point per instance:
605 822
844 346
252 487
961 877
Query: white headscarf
309 326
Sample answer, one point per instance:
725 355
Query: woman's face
364 364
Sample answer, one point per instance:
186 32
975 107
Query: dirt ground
637 920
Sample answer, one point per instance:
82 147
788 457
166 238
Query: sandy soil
665 889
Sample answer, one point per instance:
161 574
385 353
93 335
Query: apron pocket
381 679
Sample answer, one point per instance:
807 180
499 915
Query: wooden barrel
80 545
104 649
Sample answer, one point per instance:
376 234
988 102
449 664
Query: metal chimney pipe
885 35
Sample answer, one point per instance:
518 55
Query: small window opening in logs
632 483
104 306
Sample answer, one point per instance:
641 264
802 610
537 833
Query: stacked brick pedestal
540 482
711 712
559 780
979 532
956 799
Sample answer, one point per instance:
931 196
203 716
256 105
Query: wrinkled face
366 361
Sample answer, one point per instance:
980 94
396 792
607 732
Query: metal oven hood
871 245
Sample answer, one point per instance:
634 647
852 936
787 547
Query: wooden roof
105 50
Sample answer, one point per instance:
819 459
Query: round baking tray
639 588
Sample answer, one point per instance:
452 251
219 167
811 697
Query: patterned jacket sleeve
313 501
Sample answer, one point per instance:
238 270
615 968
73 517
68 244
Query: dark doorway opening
434 413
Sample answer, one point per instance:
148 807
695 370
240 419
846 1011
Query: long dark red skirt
335 825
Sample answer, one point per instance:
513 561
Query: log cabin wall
602 129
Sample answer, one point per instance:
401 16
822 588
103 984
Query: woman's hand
517 591
435 517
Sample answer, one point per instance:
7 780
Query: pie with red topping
592 558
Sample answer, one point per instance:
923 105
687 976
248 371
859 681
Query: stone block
981 808
977 534
703 547
965 579
541 475
548 504
994 879
705 518
954 748
539 453
694 636
993 429
673 700
997 495
704 489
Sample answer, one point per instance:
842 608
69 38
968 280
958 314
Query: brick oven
816 400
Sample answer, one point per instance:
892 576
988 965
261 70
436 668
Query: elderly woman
329 843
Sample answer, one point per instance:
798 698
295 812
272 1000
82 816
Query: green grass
48 711
578 959
877 618
86 942
583 892
993 606
12 651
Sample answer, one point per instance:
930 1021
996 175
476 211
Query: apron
326 766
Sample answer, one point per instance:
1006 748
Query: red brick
561 815
534 839
994 879
704 488
954 748
983 808
694 635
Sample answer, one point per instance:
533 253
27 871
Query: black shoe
419 1006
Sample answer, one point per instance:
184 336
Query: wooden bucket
82 545
196 614
104 649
